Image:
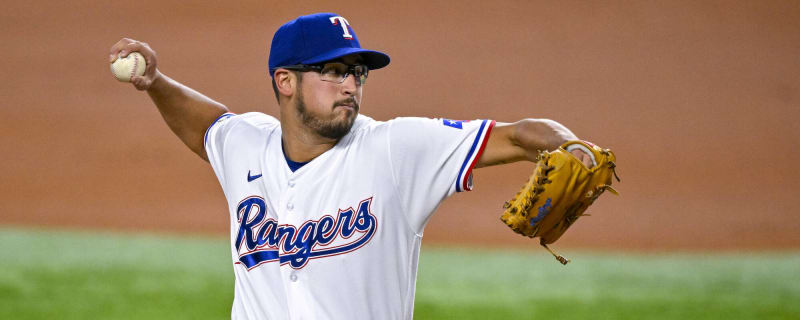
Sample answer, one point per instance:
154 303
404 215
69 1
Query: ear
285 82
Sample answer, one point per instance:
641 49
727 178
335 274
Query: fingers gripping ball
125 68
559 191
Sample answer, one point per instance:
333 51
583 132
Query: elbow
541 134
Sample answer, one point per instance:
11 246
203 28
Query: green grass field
72 275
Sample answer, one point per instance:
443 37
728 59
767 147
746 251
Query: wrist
159 82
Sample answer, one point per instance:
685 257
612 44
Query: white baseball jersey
338 238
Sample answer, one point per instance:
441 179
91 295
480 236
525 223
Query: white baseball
125 68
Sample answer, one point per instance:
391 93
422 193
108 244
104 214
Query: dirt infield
698 100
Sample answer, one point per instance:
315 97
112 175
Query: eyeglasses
335 72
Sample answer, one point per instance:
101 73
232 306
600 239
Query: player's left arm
524 139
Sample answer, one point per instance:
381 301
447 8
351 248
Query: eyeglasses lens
337 72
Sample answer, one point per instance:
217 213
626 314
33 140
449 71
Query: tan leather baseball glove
559 191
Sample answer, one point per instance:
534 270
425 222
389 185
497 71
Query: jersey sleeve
432 159
214 142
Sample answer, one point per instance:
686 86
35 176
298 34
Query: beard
332 129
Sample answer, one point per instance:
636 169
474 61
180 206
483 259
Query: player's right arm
187 112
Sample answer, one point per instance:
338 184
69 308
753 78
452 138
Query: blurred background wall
698 99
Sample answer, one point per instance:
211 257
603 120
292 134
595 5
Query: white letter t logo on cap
337 20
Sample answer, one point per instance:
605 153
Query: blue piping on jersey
469 155
224 115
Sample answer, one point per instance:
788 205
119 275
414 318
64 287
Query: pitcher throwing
327 206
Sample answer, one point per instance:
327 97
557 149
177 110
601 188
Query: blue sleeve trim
223 116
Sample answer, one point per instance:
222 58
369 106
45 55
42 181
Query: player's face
328 108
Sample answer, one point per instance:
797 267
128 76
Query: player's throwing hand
124 47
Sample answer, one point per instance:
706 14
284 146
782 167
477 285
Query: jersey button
293 277
289 206
291 183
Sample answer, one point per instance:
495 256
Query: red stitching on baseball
135 64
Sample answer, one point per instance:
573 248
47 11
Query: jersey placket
289 214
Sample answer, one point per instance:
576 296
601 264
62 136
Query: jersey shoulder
234 131
252 124
366 124
255 120
366 129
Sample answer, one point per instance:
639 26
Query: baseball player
328 206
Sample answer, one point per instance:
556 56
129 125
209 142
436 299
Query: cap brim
373 59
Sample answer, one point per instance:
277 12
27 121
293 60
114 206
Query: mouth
350 105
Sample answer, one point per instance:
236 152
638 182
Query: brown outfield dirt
698 100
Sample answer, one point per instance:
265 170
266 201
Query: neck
301 144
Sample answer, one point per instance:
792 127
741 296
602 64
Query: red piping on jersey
464 185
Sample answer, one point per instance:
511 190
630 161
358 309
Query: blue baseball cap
318 38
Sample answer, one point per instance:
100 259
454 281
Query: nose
349 85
